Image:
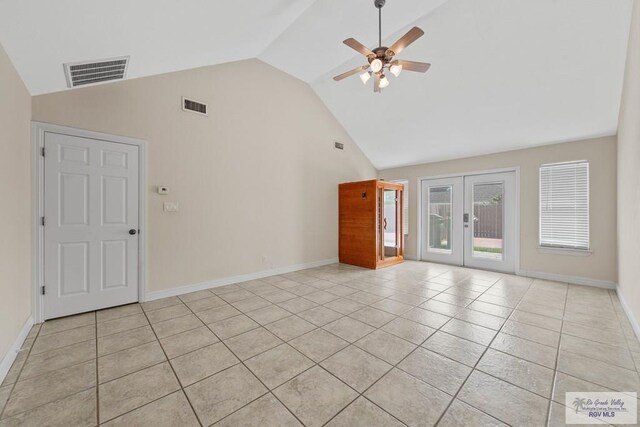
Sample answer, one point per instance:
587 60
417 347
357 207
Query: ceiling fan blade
376 82
350 73
356 45
412 35
419 67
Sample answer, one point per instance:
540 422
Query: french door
470 220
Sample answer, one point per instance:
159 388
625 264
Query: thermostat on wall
163 190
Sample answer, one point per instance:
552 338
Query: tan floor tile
232 326
264 412
460 414
392 306
268 314
536 320
63 339
117 312
185 342
169 411
122 324
564 383
250 304
278 365
524 349
426 317
532 333
605 353
202 363
315 396
205 303
42 363
160 303
219 395
342 290
364 297
16 367
523 408
319 315
408 330
469 331
372 316
348 329
119 364
127 393
252 343
235 295
495 310
455 348
167 313
177 325
195 296
604 336
410 400
124 340
65 323
543 310
76 410
37 391
216 314
298 304
289 328
606 374
386 346
439 371
441 308
318 345
356 367
363 413
321 297
4 395
530 376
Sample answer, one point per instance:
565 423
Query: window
564 205
405 206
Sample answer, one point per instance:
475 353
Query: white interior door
91 224
490 221
441 222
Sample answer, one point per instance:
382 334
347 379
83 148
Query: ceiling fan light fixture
365 77
384 81
396 69
376 65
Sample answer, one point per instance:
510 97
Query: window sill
564 251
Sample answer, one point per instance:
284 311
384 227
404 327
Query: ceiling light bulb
365 77
376 65
396 69
384 82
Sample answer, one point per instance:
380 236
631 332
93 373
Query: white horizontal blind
564 205
405 206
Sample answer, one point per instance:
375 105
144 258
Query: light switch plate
171 207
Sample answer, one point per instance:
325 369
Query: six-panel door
91 229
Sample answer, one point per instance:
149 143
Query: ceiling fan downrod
379 4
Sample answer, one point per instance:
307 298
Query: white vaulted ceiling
506 74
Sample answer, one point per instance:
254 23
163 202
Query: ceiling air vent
194 106
84 73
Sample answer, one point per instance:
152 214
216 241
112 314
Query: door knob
133 231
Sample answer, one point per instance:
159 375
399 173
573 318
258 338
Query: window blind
564 205
405 206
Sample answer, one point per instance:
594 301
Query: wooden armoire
370 223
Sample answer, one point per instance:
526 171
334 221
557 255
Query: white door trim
38 130
515 169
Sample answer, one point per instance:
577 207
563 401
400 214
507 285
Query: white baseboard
635 324
11 355
150 296
576 280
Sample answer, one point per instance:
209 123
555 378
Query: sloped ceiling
506 74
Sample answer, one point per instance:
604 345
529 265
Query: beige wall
15 192
601 154
256 180
629 175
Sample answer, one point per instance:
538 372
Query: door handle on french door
133 231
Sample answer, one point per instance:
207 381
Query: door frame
38 131
515 169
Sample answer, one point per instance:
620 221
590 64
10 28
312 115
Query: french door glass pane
390 223
440 225
488 211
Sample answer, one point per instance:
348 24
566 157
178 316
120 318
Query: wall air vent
194 106
84 73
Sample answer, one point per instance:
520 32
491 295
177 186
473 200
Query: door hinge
42 221
42 290
42 151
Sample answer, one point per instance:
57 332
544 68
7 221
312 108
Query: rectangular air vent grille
194 106
84 73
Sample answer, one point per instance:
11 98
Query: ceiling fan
381 58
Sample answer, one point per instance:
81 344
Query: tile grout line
555 368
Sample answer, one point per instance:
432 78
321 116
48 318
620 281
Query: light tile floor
414 344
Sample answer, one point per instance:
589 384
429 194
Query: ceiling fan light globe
365 77
384 82
376 65
396 69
